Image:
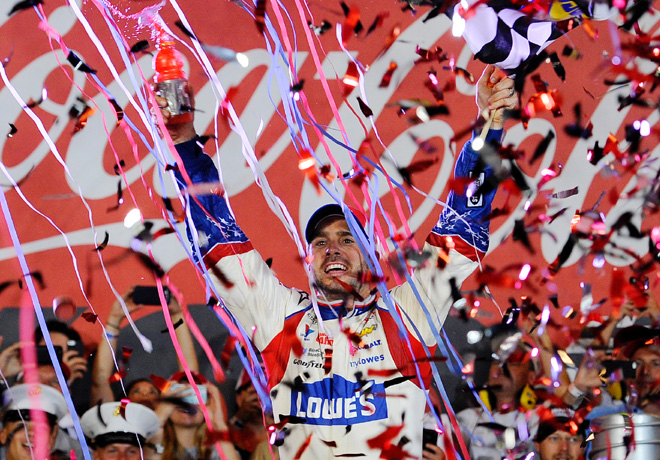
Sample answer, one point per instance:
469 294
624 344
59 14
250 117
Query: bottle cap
168 62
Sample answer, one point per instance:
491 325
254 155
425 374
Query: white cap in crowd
17 401
109 423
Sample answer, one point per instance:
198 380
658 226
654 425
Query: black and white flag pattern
506 38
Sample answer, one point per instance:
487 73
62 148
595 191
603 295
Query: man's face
47 376
337 261
59 340
19 439
518 376
118 451
561 445
648 370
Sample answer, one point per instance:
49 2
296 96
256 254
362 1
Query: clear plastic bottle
170 81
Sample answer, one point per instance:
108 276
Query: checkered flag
506 38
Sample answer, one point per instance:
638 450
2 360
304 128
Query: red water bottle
170 81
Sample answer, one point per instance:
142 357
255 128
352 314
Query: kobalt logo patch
366 346
337 401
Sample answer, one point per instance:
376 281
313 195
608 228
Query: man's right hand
10 360
179 132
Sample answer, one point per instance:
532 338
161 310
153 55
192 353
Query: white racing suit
336 396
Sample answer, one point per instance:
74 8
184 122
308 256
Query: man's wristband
575 391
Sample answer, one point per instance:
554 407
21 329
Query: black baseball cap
327 211
632 338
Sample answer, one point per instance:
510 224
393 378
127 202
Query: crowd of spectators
520 411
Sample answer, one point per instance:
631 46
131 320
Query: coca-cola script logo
68 194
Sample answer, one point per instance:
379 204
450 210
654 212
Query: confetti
557 66
78 64
24 5
140 47
366 111
103 244
12 130
118 110
89 317
185 30
540 149
565 193
387 77
378 21
319 30
81 120
352 25
418 166
260 15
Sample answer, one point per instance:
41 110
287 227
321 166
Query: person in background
119 430
11 367
559 438
73 349
142 390
184 433
72 361
507 397
247 427
19 428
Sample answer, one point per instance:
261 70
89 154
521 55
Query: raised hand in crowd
104 366
10 360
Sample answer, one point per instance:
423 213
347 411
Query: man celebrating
344 379
119 430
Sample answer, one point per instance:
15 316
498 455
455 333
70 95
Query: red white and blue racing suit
336 391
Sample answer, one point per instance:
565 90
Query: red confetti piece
117 376
351 78
384 439
227 351
387 77
81 121
432 84
350 290
122 407
327 361
382 372
435 54
303 447
89 317
350 23
391 38
161 383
